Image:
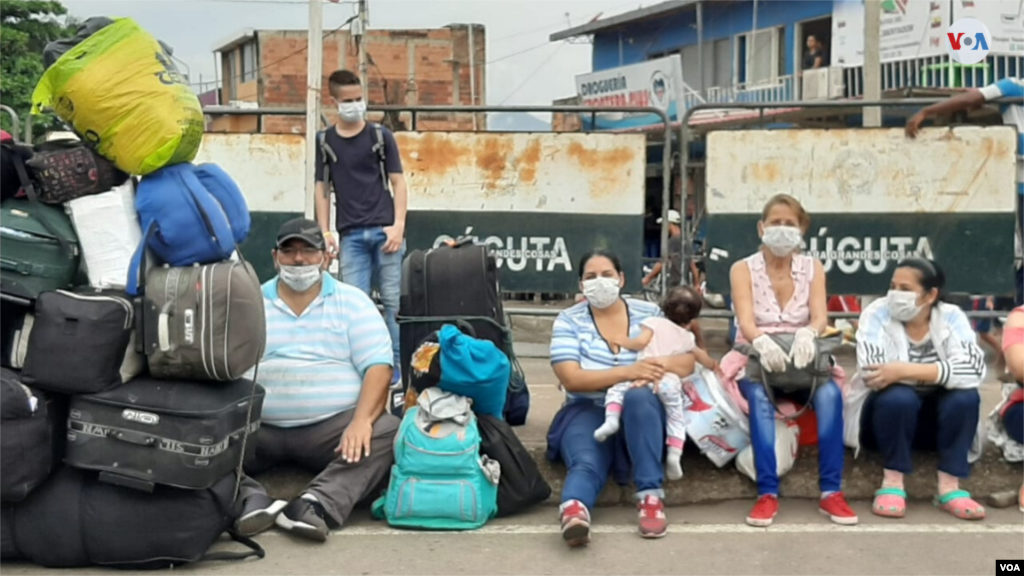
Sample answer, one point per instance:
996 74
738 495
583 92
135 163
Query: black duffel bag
74 520
521 484
29 438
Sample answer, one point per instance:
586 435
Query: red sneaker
764 511
652 517
575 523
835 507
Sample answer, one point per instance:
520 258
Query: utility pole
314 79
872 61
364 24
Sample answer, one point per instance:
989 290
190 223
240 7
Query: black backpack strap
380 150
329 158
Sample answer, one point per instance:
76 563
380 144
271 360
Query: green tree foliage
26 26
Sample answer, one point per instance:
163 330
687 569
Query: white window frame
777 43
249 73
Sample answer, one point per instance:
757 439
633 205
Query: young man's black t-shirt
362 199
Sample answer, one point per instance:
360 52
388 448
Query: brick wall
407 67
566 122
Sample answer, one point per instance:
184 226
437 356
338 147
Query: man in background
359 162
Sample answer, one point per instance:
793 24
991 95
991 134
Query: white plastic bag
787 435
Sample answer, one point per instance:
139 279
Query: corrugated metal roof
624 18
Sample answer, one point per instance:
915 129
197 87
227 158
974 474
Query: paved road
703 540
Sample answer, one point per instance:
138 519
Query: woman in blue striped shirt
587 364
917 387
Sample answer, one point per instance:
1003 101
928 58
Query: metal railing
780 89
925 72
414 111
15 122
688 255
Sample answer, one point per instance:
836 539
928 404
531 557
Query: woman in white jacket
919 368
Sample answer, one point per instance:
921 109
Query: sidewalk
703 482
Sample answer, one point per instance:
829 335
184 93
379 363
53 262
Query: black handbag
521 484
78 342
66 169
793 378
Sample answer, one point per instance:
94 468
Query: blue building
754 50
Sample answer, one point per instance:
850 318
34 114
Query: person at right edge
1013 115
1006 421
371 197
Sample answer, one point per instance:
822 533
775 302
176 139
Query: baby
666 336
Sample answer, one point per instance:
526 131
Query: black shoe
258 514
305 518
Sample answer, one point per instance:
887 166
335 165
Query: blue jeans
1013 421
828 408
590 461
901 418
361 257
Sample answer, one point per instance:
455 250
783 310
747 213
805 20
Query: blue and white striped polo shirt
314 363
574 338
1013 115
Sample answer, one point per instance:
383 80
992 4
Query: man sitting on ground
326 369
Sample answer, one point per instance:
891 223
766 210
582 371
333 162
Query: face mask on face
782 240
903 305
601 292
300 278
352 111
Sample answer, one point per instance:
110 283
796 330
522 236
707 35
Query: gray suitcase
202 322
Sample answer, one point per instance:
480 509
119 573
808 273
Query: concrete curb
704 483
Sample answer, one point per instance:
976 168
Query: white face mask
601 292
782 240
300 278
903 305
352 111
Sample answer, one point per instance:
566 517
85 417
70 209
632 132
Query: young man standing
360 163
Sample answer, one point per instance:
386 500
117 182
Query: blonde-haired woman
780 290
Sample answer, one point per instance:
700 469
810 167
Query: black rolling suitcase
448 284
149 431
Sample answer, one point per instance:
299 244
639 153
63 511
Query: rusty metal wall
943 170
459 171
269 168
523 172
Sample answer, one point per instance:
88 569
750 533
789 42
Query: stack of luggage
129 320
457 461
457 283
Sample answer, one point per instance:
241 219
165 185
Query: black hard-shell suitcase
149 431
31 435
74 521
450 284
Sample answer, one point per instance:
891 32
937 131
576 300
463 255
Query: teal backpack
438 483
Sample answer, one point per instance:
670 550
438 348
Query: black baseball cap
303 229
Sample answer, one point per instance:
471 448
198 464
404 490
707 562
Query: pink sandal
960 504
890 503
